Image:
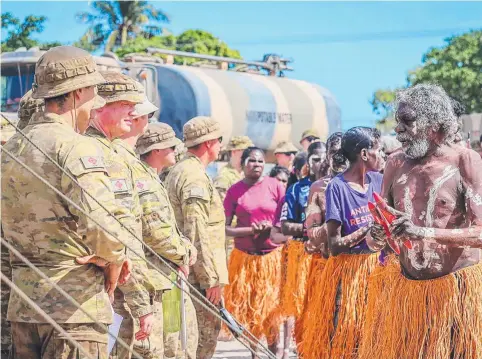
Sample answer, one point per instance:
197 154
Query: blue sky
351 48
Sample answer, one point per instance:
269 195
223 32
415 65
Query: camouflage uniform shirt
200 215
159 228
49 231
136 290
226 178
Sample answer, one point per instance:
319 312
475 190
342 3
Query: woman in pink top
255 264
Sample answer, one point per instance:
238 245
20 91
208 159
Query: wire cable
199 299
47 317
129 230
67 296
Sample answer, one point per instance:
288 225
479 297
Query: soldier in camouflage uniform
49 230
28 106
157 150
179 153
230 174
7 271
159 228
200 215
132 299
285 154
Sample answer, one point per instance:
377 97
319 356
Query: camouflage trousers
41 341
126 331
172 342
150 348
209 327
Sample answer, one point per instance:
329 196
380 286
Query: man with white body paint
431 304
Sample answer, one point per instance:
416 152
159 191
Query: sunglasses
151 115
220 139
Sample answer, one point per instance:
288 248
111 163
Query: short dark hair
353 141
279 169
59 100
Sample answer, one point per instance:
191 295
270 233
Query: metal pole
183 319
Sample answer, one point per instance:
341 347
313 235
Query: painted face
376 158
254 165
411 132
283 178
315 160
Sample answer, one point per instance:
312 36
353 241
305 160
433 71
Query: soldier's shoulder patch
196 192
92 162
142 185
120 185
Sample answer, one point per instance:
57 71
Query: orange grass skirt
320 337
313 288
253 295
298 265
430 319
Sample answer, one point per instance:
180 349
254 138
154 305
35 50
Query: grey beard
417 148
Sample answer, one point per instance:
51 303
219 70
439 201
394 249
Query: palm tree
112 22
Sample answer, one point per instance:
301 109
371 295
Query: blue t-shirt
296 201
350 207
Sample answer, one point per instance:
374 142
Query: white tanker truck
248 98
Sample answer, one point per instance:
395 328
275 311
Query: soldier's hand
146 323
214 294
92 259
126 270
193 257
184 270
111 275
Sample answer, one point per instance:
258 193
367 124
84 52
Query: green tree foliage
382 105
457 67
19 32
197 41
202 42
112 23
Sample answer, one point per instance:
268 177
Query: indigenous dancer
341 312
431 305
292 223
255 263
317 243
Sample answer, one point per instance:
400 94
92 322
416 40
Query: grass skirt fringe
424 319
253 295
313 287
320 338
297 269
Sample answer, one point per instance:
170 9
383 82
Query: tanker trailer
268 109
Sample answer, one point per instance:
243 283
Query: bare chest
432 195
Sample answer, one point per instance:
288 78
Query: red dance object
379 220
382 207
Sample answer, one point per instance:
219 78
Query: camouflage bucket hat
285 147
201 129
64 69
27 107
311 132
120 87
239 143
158 136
